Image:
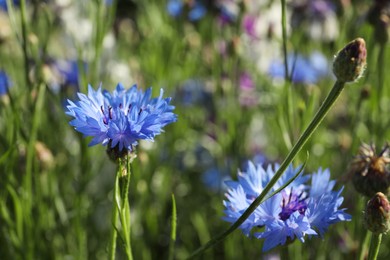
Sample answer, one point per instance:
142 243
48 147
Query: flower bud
350 62
377 214
369 171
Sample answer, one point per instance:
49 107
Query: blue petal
174 7
197 12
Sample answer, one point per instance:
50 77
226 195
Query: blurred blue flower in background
215 179
5 83
229 10
308 70
296 211
120 118
193 92
4 6
63 76
174 7
196 9
68 70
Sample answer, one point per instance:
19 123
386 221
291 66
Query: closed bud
350 62
377 214
369 170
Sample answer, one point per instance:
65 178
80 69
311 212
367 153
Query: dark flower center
108 114
292 202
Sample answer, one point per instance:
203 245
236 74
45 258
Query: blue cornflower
120 118
5 83
298 210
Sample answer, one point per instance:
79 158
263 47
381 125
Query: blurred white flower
78 27
119 71
262 33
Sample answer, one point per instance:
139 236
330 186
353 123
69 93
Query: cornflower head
121 118
296 211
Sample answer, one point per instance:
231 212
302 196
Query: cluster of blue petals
120 118
296 211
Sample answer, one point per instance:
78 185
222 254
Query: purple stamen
295 202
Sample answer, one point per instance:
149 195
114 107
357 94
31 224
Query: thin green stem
85 170
319 116
121 208
125 210
23 18
381 67
364 245
284 254
284 36
114 216
376 240
173 230
28 182
99 34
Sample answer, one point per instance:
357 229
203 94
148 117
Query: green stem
381 83
28 182
125 210
99 35
284 36
81 199
364 245
23 18
374 246
173 230
284 253
319 116
114 216
121 207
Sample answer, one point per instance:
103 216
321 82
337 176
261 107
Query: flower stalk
374 246
114 217
121 208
